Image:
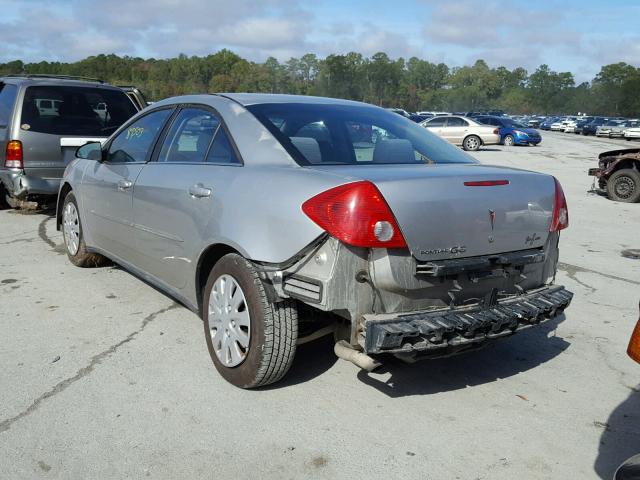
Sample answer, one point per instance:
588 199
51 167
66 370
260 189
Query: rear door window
456 122
133 144
7 100
78 111
190 136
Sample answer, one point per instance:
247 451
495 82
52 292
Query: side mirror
90 151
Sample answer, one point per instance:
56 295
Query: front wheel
624 186
251 341
509 141
73 237
471 143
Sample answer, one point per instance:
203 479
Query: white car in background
570 127
559 126
632 133
463 131
433 114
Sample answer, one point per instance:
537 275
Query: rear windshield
353 135
96 112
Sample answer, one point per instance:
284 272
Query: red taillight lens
357 214
634 343
560 219
496 131
13 157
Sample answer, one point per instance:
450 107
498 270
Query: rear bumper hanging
442 332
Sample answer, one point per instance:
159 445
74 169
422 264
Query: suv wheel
251 341
73 238
624 186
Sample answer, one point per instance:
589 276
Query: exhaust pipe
346 352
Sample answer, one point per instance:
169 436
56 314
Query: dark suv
43 120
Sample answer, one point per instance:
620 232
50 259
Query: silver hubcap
508 141
472 143
229 321
71 228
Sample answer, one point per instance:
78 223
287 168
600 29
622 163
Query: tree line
414 84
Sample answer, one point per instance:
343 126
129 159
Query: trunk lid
441 217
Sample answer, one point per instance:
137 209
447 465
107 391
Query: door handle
198 191
124 185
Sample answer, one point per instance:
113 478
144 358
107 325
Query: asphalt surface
104 377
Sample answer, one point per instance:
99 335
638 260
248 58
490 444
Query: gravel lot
104 377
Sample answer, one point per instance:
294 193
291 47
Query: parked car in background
618 174
363 209
433 114
632 133
512 132
546 124
570 126
604 130
617 131
581 123
399 111
463 131
591 127
559 125
37 140
419 118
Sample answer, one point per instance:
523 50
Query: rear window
58 110
353 135
7 99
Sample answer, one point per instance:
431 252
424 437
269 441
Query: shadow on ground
620 438
500 359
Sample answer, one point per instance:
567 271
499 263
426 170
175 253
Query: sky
569 35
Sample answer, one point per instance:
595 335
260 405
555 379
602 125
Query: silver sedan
463 131
281 218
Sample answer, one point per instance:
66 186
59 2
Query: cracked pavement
105 377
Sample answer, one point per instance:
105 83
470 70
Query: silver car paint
158 230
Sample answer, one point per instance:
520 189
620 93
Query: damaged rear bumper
443 332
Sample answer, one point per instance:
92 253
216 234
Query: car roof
55 80
247 99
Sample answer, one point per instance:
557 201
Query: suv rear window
71 110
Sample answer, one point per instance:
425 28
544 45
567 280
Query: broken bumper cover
444 332
595 172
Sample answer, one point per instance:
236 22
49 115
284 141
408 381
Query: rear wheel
624 186
509 141
251 341
471 143
73 238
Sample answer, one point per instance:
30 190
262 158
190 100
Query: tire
624 186
471 143
264 349
3 198
509 141
73 237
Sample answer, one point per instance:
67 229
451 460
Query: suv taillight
357 214
560 219
13 157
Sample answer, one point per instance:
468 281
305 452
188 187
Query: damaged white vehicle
277 217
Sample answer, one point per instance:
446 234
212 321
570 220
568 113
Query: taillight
13 157
560 219
634 343
357 214
496 131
